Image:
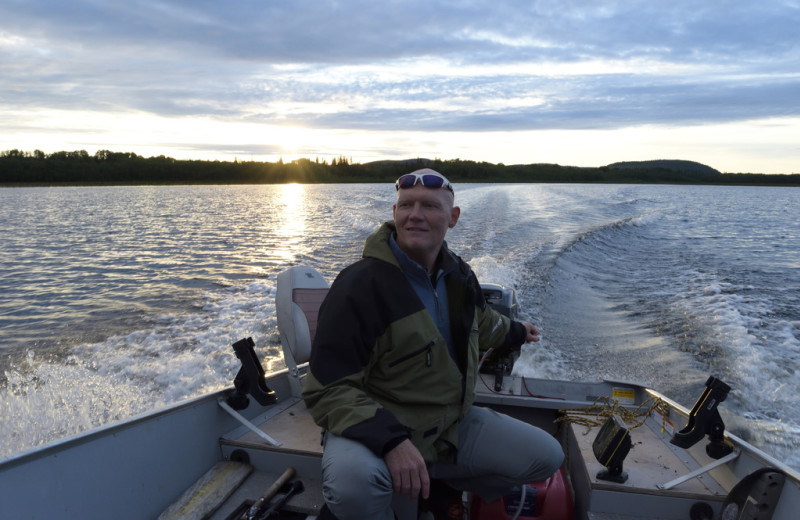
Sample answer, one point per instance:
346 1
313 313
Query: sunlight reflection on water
291 225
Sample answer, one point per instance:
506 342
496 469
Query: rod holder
250 379
705 419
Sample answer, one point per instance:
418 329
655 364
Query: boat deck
651 463
308 502
290 424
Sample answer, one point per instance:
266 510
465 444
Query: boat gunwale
483 397
750 450
101 431
552 402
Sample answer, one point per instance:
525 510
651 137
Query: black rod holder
250 379
705 419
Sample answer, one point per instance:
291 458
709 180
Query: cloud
497 65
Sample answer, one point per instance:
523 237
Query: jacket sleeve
351 318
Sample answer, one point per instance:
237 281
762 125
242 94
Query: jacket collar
377 246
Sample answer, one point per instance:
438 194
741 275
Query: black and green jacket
380 370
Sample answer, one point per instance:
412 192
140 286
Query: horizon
335 160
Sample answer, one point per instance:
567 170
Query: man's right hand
408 470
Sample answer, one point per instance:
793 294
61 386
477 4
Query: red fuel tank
550 499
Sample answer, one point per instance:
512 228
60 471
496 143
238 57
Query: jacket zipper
436 302
427 348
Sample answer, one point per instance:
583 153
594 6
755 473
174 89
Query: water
116 301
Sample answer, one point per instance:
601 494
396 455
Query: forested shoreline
36 168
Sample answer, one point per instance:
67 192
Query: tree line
112 168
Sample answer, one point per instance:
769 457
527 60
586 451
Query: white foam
360 223
760 356
536 358
179 357
488 269
539 360
646 219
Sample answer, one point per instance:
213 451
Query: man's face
423 216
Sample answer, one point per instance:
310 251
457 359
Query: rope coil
604 407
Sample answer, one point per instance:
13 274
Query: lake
118 300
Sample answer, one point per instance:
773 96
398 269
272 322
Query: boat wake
624 303
179 356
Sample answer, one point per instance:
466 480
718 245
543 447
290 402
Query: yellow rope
604 407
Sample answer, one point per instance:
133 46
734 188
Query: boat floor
290 424
308 502
651 462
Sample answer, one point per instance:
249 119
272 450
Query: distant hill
19 168
666 164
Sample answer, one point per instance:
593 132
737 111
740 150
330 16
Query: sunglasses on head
429 180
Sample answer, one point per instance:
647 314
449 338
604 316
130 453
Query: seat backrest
299 294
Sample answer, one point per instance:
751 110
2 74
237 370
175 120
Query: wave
174 357
695 315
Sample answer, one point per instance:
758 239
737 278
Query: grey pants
496 452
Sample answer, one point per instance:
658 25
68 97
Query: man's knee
517 449
354 479
546 459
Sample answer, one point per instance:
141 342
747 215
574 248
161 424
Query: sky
576 83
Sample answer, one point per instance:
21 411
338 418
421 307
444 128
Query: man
393 369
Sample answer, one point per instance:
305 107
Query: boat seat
300 292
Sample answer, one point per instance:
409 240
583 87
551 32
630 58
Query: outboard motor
503 300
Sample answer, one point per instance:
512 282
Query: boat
631 452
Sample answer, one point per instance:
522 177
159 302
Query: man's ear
454 214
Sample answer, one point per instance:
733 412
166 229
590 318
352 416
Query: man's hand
533 332
408 470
